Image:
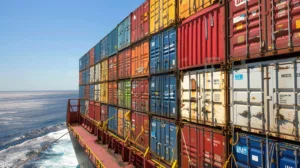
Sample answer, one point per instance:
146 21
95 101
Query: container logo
240 2
242 150
238 77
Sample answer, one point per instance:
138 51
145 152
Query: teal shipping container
97 52
113 42
124 33
104 48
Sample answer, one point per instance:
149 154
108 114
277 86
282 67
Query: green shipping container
124 93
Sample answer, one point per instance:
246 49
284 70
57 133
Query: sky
42 41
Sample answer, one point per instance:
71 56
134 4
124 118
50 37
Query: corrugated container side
87 92
113 119
81 92
202 147
92 56
124 64
124 123
97 72
163 96
113 42
87 76
87 60
81 63
104 48
97 111
201 38
82 107
163 139
163 52
140 130
162 14
92 74
104 71
113 93
92 92
80 78
97 52
189 7
203 97
112 68
104 92
140 95
97 93
124 33
124 93
140 59
91 111
264 98
140 22
104 112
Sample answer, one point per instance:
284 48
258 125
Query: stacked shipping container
168 65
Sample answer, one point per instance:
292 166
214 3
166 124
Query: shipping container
91 111
97 53
87 76
163 96
124 123
97 93
104 92
97 111
87 61
92 92
80 78
104 71
87 92
113 42
124 64
104 112
140 22
124 33
104 48
140 59
162 14
140 130
189 7
163 139
202 147
82 63
113 119
87 106
140 94
203 97
81 92
97 72
124 93
92 56
92 74
112 68
163 52
113 93
201 38
82 106
264 98
255 151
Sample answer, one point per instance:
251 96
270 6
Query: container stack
198 84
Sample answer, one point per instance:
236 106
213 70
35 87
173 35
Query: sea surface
28 122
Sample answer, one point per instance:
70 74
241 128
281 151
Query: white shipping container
92 74
203 97
265 98
97 72
86 107
97 93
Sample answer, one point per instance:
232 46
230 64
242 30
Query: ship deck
105 155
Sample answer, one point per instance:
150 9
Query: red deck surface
105 155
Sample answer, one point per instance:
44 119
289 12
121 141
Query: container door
168 12
155 136
189 143
169 50
169 98
127 121
97 111
133 127
145 138
121 122
82 107
155 95
154 15
121 93
287 157
165 135
155 54
104 114
144 105
127 94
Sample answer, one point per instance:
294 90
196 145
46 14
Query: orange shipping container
113 93
104 71
112 68
124 64
92 56
124 123
104 92
140 59
80 78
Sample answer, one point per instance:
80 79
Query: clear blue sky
42 41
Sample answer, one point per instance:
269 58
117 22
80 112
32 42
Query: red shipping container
206 147
140 22
87 92
104 113
201 38
80 78
113 93
124 64
92 56
112 68
140 130
97 111
140 94
91 112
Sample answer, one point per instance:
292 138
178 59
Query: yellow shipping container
104 92
188 7
162 14
104 71
124 123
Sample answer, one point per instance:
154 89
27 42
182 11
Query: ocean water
31 120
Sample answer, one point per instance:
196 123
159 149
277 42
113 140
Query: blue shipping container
163 139
113 42
104 48
163 95
82 106
97 53
252 151
113 119
92 92
81 63
163 52
124 33
87 60
87 76
81 92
